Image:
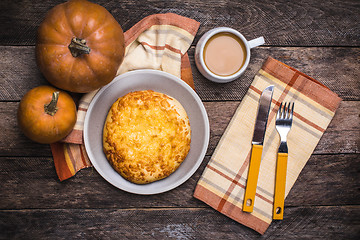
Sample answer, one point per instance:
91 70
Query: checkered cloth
222 184
158 42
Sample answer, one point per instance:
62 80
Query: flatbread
146 136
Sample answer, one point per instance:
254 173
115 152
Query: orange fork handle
252 178
280 182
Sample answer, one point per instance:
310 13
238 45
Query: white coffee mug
199 54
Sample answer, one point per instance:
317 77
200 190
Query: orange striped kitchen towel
158 42
223 181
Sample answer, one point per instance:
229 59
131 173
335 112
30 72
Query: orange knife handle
280 182
252 178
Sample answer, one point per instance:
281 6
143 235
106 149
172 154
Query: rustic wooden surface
320 38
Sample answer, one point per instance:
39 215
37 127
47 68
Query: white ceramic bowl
143 80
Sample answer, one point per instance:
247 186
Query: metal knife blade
262 115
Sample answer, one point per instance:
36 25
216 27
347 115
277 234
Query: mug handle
256 42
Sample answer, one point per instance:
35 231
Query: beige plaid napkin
223 182
160 42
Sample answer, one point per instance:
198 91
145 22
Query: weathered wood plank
342 136
18 72
33 183
337 68
333 67
301 23
12 140
299 223
322 39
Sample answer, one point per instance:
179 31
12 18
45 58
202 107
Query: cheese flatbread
146 136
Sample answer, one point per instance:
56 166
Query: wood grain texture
285 23
178 223
18 72
31 182
337 68
342 135
319 38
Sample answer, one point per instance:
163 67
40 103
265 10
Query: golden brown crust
146 136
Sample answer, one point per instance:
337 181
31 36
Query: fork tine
283 115
288 109
292 110
278 115
285 111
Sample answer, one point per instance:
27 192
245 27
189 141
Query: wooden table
320 38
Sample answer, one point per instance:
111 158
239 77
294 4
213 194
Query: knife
257 146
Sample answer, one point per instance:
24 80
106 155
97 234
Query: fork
283 124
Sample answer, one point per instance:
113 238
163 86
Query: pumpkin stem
51 107
78 47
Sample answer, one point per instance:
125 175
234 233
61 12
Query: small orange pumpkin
80 46
46 115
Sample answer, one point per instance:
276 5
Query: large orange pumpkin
46 115
80 46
